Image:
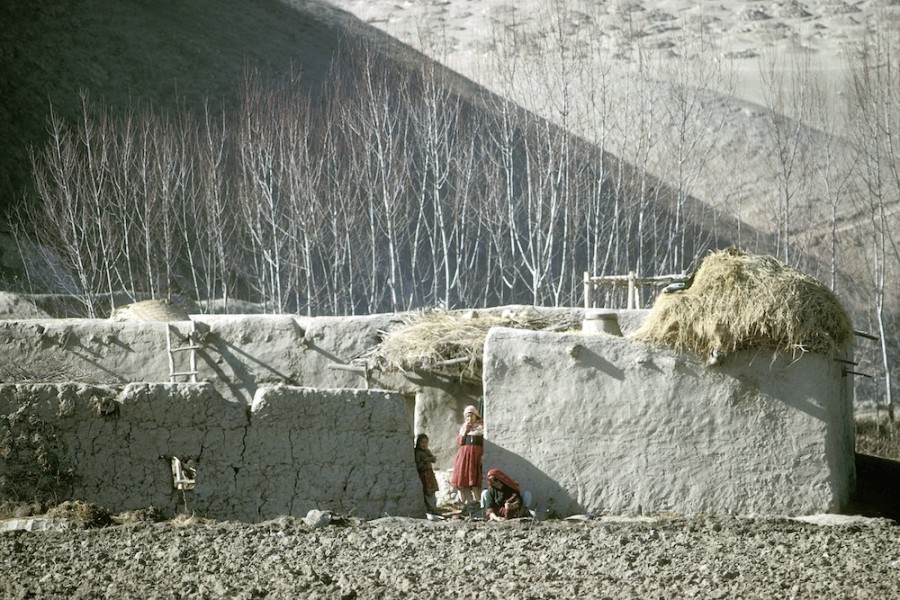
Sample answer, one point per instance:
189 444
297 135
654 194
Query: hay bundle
82 513
741 301
451 343
151 310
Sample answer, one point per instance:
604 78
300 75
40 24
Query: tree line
384 191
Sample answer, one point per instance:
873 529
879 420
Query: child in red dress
467 468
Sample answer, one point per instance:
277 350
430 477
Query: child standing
467 467
424 460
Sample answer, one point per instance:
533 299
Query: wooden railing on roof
632 281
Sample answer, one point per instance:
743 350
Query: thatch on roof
742 301
153 310
452 343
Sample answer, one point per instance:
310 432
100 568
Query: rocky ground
722 557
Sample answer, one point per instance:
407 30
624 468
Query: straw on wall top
449 342
741 301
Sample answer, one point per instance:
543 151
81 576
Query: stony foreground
410 558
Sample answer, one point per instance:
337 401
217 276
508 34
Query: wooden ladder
191 347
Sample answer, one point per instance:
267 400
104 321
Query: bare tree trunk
220 227
65 220
263 200
789 106
875 113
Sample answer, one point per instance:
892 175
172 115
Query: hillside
745 105
136 55
632 61
734 53
144 52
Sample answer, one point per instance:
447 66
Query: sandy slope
459 32
468 36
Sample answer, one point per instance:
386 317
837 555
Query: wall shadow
592 360
243 380
877 491
548 495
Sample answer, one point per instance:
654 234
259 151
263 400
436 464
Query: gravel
721 557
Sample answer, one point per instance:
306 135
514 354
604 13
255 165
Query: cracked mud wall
290 452
238 354
591 423
352 447
606 425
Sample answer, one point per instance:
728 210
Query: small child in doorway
424 460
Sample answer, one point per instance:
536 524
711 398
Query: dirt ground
722 557
86 553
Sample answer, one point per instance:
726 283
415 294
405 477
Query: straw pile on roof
452 343
741 301
151 310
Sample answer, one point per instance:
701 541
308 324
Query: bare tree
875 120
66 220
696 77
435 116
379 129
833 170
71 219
786 84
122 202
304 174
219 229
263 199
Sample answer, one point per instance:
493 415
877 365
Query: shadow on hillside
877 488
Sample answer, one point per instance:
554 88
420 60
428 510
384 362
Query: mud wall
238 354
590 423
292 450
606 425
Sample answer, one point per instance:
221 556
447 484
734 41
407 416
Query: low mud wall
590 423
238 354
601 424
293 449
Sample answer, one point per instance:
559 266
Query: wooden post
630 303
631 282
587 290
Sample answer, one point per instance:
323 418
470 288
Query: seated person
503 497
